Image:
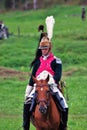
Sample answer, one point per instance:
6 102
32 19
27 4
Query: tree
35 4
13 4
8 4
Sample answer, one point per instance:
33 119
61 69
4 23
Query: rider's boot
64 119
26 117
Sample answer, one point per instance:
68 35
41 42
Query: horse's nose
43 109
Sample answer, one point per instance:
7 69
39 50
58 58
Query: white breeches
43 75
53 87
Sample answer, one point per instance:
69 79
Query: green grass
69 43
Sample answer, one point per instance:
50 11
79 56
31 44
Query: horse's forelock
42 82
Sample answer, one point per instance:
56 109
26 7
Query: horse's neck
52 101
53 105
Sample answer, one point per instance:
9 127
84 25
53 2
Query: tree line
35 4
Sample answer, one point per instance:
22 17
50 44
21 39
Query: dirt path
11 73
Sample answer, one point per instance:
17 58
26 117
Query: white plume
50 21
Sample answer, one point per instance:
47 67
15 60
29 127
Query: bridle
42 100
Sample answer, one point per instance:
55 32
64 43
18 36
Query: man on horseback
45 63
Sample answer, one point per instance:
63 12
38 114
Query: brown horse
46 115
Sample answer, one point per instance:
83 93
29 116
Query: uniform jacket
51 64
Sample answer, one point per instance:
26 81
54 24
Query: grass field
69 43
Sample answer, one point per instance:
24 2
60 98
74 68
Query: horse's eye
36 91
48 92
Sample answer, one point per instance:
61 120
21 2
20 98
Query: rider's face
45 51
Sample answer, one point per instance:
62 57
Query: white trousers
31 90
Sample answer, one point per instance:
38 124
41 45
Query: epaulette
58 60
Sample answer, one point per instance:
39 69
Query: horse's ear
47 79
34 79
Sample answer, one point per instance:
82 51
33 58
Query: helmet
45 43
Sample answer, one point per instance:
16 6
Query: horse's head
42 94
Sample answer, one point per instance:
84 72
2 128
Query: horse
46 115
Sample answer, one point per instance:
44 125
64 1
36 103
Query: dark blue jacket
56 65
